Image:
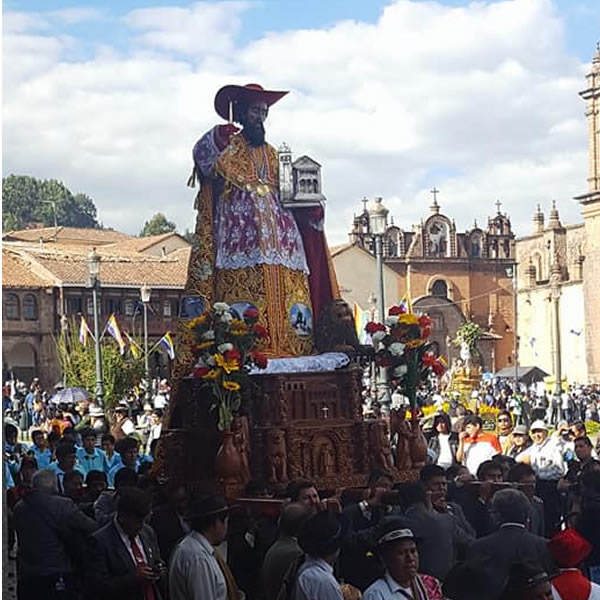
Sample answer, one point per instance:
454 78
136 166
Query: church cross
435 192
498 205
364 201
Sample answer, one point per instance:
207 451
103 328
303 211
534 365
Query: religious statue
248 248
326 460
399 427
241 436
381 451
277 456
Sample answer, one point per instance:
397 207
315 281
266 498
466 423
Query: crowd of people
513 512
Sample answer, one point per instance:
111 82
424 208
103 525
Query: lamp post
555 292
145 292
377 225
94 284
512 273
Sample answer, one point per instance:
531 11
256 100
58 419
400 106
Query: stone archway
22 360
446 317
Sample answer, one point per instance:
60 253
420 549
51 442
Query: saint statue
249 249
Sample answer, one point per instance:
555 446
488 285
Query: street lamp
94 283
555 292
512 273
377 225
145 292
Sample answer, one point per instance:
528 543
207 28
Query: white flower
396 348
210 361
226 317
378 336
390 321
221 307
200 363
225 347
399 371
208 335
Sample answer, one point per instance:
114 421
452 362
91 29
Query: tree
29 200
157 225
120 373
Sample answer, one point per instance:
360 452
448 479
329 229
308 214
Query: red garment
572 585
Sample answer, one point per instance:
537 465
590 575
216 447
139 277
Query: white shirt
125 539
387 588
445 457
160 401
194 573
127 426
546 459
316 581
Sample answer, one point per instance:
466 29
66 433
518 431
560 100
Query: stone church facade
453 276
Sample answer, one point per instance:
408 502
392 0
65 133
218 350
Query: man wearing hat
569 549
396 547
248 247
546 458
196 570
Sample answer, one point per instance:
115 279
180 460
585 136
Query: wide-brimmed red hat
569 548
251 92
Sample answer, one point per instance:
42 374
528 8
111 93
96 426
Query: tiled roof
17 273
335 250
88 237
69 266
140 244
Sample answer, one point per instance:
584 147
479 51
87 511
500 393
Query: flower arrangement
468 333
225 350
402 345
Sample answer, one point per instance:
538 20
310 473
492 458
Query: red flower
425 332
261 332
396 310
428 359
383 361
200 372
438 367
372 327
424 321
260 360
251 313
232 355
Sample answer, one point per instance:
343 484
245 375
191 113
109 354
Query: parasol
71 395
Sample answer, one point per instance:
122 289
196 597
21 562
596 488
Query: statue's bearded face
253 121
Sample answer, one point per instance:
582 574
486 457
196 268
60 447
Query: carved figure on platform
326 460
381 450
241 436
277 456
335 330
400 428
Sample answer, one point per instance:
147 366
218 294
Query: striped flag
113 329
136 349
167 343
361 318
405 304
84 332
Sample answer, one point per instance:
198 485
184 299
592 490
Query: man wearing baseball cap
546 458
396 548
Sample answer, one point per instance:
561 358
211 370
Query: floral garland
225 351
401 345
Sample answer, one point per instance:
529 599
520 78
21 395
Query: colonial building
451 275
44 284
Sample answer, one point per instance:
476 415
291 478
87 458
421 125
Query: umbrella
71 395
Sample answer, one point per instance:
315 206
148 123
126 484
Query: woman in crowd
444 442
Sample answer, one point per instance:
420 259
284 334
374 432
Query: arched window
129 308
440 289
11 307
30 311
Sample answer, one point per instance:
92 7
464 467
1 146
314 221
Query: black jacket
111 569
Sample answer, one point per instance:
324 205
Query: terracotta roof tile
17 273
86 236
141 244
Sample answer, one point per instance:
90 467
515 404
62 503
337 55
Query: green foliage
468 333
157 225
120 374
29 200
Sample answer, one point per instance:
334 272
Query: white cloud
480 101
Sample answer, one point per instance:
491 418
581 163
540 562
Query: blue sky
477 98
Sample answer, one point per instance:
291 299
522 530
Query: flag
405 304
84 331
167 343
361 318
113 329
574 332
136 349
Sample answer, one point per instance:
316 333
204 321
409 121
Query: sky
392 98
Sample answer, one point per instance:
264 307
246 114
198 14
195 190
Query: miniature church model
299 181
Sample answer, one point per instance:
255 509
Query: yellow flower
212 374
204 345
415 343
238 324
196 321
227 365
408 319
239 332
232 386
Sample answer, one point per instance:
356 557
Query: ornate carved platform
300 425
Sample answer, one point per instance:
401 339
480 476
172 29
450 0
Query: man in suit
168 519
124 561
285 550
46 524
511 543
